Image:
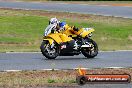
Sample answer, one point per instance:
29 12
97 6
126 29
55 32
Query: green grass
51 81
114 35
23 30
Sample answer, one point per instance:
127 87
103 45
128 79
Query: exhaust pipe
84 46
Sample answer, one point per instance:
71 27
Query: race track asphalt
116 11
36 61
106 86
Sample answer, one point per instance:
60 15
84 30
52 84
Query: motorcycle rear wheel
90 52
48 52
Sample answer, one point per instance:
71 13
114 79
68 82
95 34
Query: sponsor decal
63 46
84 78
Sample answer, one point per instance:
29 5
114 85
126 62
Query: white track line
61 69
23 52
50 69
99 51
114 67
117 51
12 70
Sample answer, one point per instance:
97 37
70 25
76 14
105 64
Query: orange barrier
83 78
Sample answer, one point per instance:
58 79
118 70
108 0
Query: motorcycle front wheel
92 51
47 51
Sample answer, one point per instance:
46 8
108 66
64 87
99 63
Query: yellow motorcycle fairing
69 32
50 40
85 32
57 37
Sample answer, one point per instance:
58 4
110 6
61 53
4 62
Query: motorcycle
70 42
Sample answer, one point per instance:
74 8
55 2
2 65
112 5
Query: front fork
52 45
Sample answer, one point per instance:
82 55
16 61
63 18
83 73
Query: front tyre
90 52
47 51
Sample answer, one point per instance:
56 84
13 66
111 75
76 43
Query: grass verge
22 30
50 78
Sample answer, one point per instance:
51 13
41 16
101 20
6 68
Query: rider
54 21
56 25
52 26
64 26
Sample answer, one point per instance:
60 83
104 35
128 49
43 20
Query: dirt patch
120 4
62 15
130 37
104 38
52 14
105 3
73 17
65 15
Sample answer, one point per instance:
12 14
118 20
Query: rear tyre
47 51
92 51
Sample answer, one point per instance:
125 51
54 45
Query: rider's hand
75 29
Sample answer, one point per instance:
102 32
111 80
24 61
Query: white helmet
53 21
